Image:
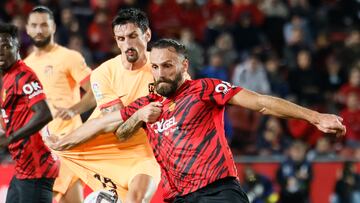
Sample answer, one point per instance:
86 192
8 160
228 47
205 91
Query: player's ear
54 26
185 65
148 35
27 28
17 45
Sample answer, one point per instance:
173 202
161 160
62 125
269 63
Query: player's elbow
44 116
92 100
42 112
261 104
264 106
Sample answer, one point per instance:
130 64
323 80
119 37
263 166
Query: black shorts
37 190
225 190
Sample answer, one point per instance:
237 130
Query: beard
134 57
41 43
170 88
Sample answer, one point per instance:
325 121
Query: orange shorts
109 164
64 181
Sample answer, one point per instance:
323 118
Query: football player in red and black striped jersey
24 112
185 127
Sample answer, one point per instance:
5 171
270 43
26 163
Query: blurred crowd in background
305 51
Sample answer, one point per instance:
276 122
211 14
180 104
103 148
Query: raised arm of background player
264 104
109 120
86 103
39 119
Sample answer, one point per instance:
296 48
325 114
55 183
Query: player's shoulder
209 85
29 57
151 97
205 82
67 54
25 69
108 65
23 72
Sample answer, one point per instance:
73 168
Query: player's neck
43 50
181 82
178 87
134 66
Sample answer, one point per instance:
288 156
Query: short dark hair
10 29
42 9
166 43
131 15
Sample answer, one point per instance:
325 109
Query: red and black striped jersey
188 138
20 90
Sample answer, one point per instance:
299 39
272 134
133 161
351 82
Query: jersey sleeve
102 89
79 69
216 91
130 109
31 88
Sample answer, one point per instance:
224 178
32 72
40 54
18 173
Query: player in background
184 124
24 112
128 168
62 72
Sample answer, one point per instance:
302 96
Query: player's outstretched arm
147 114
86 103
327 123
39 119
90 129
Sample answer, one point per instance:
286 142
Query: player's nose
162 73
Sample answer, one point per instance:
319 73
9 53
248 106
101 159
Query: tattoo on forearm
128 128
110 109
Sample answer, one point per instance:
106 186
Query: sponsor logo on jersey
223 87
165 125
32 89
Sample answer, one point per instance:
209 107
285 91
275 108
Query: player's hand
151 112
64 113
329 123
56 144
51 141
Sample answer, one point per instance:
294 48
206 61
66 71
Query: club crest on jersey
32 89
165 125
3 96
49 70
223 87
172 106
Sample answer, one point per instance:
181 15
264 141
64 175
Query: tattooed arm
147 114
129 127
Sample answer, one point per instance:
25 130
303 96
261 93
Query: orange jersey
104 158
61 71
111 83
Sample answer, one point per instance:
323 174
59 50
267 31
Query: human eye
167 65
120 38
134 35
